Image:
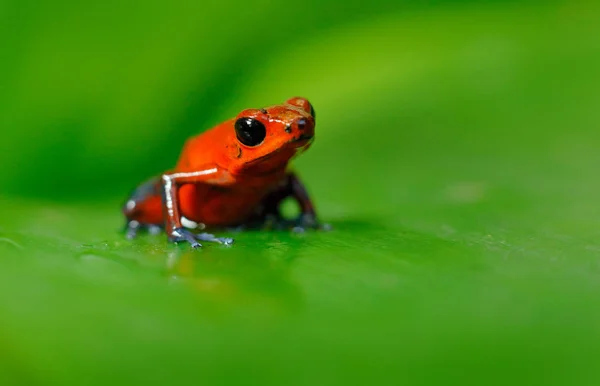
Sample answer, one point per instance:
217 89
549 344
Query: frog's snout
301 130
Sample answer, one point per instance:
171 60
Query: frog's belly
218 206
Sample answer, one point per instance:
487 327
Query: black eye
250 131
312 112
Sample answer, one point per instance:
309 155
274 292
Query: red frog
233 175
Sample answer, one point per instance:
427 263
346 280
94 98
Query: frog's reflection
252 276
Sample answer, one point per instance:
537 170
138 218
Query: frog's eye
250 131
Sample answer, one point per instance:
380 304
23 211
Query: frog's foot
179 235
154 229
133 227
308 221
212 238
300 224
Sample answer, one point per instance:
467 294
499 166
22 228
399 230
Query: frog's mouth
302 140
304 137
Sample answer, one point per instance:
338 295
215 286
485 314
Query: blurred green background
456 156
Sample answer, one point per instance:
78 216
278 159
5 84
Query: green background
456 157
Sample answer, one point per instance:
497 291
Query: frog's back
207 149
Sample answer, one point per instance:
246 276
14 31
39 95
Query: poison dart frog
234 175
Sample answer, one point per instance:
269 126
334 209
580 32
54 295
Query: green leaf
456 158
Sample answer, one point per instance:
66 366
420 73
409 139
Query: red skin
218 181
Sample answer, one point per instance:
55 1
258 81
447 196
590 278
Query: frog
233 176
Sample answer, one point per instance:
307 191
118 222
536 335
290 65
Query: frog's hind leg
270 216
143 209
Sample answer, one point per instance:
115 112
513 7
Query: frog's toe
131 229
154 229
180 235
305 222
210 237
131 234
226 241
326 227
298 229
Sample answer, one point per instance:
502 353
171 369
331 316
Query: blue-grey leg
179 235
133 227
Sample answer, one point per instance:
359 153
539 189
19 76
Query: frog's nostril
301 123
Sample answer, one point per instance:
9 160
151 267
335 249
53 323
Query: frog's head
266 139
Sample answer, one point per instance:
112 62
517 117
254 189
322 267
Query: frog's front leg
173 224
